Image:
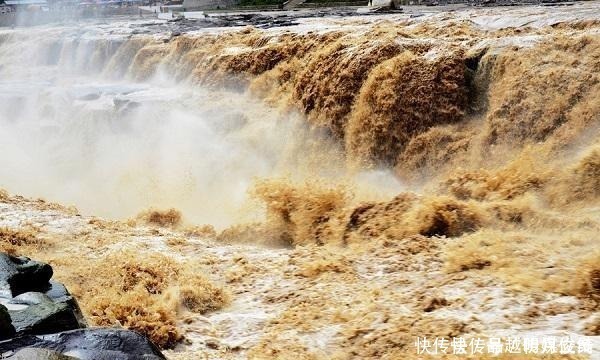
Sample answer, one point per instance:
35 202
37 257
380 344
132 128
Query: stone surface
59 293
21 274
36 304
6 328
42 315
40 320
86 344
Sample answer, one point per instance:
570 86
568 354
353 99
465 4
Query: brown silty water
337 188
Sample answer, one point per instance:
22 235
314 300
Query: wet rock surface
35 304
6 328
40 314
21 274
39 319
84 344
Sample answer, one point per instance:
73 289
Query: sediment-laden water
337 187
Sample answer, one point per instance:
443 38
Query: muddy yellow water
330 190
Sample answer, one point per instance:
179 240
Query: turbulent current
403 175
79 129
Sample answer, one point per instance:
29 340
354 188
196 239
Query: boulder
6 328
42 315
85 344
36 304
59 293
21 274
40 320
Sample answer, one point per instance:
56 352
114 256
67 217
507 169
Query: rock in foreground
84 344
36 304
39 319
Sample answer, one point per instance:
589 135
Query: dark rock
21 274
59 293
35 304
87 344
42 321
6 328
42 315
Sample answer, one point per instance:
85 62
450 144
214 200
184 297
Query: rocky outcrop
84 344
37 313
36 305
21 274
39 319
